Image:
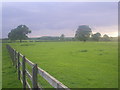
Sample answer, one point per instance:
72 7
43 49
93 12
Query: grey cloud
53 17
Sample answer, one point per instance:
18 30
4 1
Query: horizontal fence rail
23 73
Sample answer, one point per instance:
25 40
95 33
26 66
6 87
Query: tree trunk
20 40
84 40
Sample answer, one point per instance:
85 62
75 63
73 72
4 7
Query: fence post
15 62
12 54
18 64
34 77
23 73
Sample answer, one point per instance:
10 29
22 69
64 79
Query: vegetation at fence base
119 63
76 64
9 73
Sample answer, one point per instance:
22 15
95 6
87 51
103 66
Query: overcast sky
54 19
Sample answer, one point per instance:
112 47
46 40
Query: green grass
9 73
76 64
0 65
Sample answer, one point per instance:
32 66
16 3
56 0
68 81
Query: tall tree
96 36
19 33
83 33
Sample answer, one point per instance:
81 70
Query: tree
19 33
83 33
106 38
62 37
96 36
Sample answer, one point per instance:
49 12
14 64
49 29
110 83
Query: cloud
64 17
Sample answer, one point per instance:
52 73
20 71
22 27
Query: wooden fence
23 73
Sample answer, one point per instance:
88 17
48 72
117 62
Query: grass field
0 65
76 64
9 73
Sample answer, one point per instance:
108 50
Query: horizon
59 36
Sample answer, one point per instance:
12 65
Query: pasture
9 73
75 64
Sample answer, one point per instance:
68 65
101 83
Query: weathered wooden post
23 73
12 52
18 64
34 77
15 58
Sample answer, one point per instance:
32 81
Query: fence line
35 72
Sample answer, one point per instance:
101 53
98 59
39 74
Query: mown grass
9 73
76 64
119 64
0 65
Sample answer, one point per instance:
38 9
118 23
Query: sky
56 18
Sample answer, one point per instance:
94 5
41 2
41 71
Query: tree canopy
83 33
106 38
96 36
19 33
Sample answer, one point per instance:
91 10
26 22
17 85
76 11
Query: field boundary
22 74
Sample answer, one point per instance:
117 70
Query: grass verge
9 73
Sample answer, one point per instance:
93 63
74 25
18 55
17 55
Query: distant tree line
83 33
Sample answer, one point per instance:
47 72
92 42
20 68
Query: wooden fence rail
22 74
